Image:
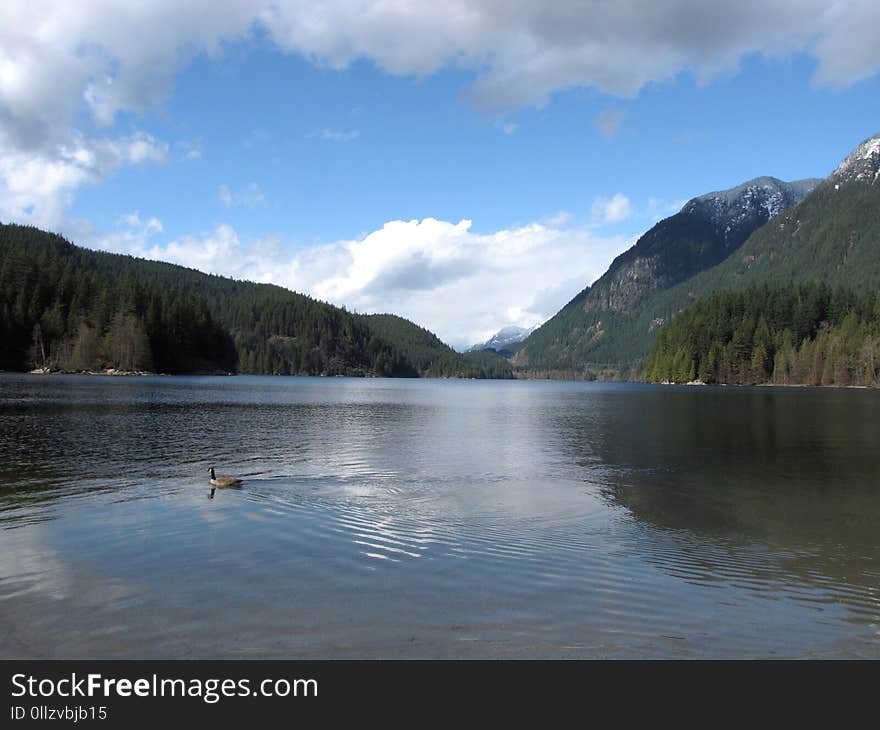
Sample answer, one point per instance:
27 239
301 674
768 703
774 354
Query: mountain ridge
509 335
706 230
863 163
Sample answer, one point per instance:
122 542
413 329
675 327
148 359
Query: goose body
223 481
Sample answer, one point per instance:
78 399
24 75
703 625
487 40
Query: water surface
419 518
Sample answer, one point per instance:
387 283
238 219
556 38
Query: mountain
66 307
503 339
861 164
428 354
832 236
602 325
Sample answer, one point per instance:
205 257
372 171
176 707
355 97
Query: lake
439 519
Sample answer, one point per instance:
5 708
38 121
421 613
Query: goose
223 481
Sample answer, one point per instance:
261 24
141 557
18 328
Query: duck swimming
223 481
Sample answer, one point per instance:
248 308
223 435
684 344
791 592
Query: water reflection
401 518
794 471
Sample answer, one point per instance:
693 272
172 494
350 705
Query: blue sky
460 176
338 153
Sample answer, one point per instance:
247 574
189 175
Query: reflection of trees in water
794 471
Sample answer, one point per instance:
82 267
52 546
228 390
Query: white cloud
558 220
58 60
217 252
526 51
36 186
460 284
249 197
132 234
612 210
102 57
149 227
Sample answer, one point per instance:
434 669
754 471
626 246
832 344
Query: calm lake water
419 518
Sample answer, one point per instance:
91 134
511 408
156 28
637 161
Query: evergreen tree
788 334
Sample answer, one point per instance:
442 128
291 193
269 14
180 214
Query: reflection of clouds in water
570 514
29 565
49 601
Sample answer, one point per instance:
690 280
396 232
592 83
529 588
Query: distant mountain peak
863 163
765 193
509 335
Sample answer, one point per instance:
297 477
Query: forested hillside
429 355
604 326
832 235
63 307
488 364
810 334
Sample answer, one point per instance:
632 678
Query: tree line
58 311
63 307
795 334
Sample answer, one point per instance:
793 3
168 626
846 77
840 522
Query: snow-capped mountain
863 163
762 198
706 230
503 338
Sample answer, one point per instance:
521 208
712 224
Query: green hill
488 364
70 308
429 355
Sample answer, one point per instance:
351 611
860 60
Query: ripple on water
431 519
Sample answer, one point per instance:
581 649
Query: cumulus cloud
461 284
132 234
36 186
526 51
612 210
558 220
149 227
115 56
103 57
59 60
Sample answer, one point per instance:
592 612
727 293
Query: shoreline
108 371
761 385
112 372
